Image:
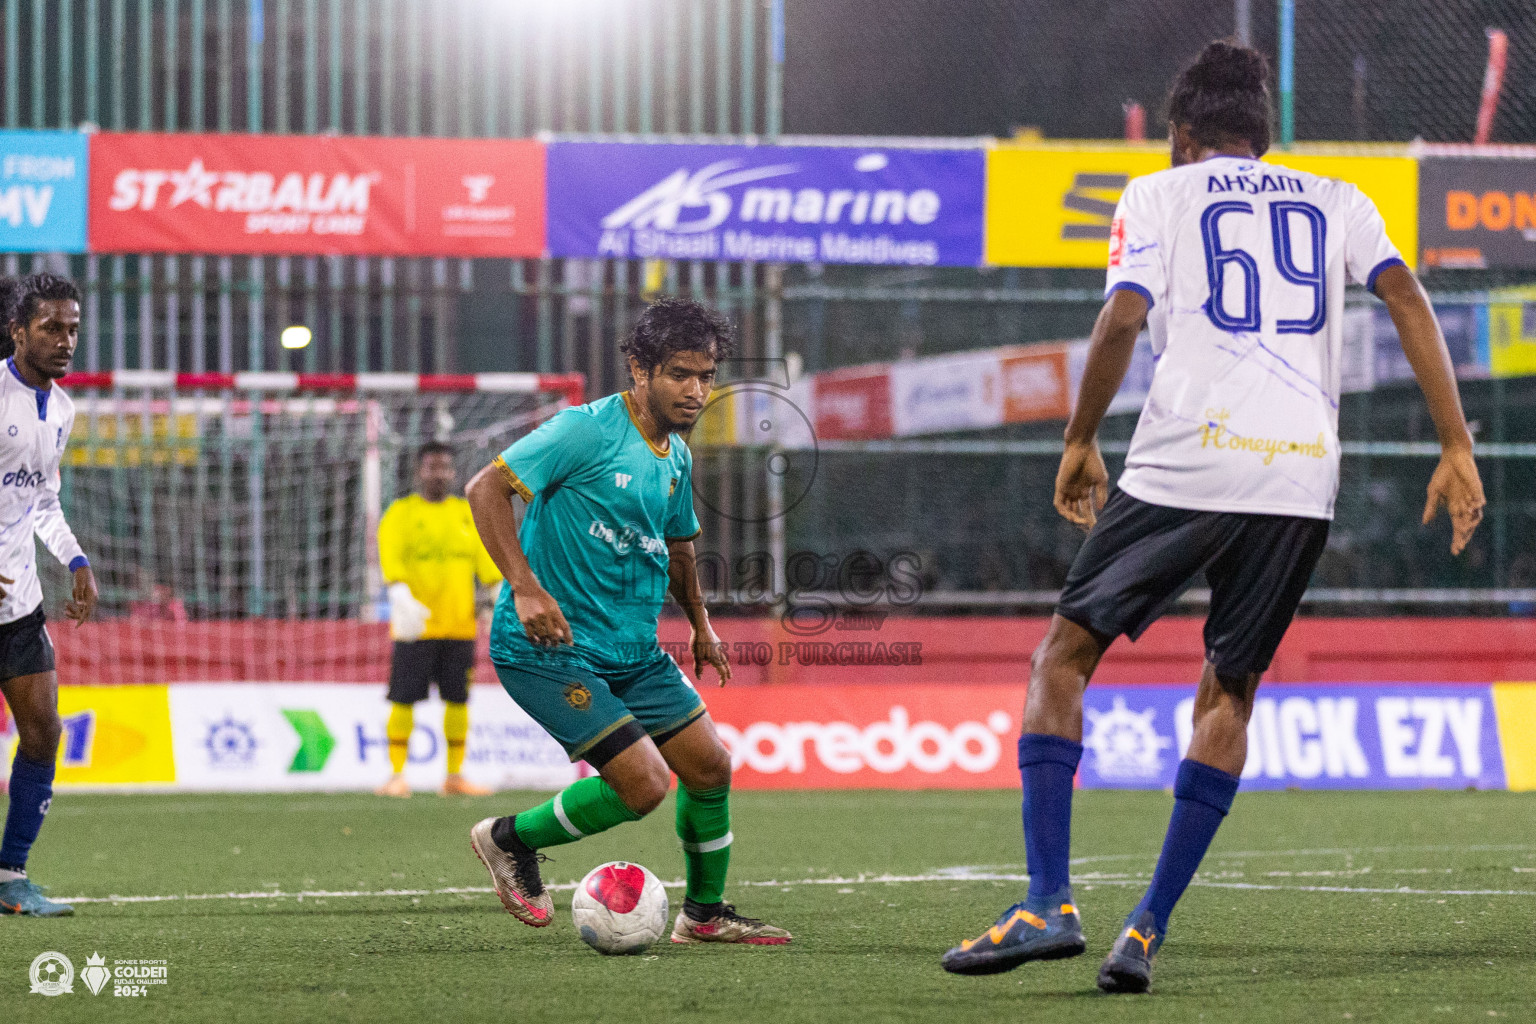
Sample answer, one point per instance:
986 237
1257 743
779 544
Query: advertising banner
115 735
961 392
976 390
42 191
1467 330
1037 383
1404 736
852 404
111 736
233 194
870 736
1477 211
1512 331
1387 736
1052 207
233 737
330 736
791 204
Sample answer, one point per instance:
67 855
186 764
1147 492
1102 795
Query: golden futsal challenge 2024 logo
53 974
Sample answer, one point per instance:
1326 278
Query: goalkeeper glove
407 616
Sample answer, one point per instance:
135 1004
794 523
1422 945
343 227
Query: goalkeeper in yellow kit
431 556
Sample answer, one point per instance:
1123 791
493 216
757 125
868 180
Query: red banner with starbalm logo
316 195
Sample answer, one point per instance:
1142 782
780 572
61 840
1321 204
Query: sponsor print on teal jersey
602 503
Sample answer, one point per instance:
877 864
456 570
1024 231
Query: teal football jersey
602 504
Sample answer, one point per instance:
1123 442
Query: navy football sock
1046 766
1202 797
31 793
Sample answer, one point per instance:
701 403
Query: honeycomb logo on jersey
1214 431
23 477
795 204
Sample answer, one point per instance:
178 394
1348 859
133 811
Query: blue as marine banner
42 191
790 204
1402 736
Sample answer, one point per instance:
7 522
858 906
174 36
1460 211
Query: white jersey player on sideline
35 421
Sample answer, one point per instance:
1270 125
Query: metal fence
710 68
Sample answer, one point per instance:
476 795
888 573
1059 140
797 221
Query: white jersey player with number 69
1243 266
35 420
1237 268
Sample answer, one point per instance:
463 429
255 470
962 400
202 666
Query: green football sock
704 826
584 808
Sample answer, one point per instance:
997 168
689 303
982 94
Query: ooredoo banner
870 736
791 204
233 194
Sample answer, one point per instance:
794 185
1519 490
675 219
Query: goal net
231 519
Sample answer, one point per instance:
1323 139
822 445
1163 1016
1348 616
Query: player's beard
663 415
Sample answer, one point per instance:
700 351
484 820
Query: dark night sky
980 67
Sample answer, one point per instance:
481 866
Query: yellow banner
1052 206
115 735
1515 705
1512 332
717 423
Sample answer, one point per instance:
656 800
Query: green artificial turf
1279 926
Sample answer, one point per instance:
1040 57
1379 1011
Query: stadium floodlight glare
297 336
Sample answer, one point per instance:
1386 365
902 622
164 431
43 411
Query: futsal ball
619 908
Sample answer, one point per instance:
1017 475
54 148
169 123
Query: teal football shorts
597 712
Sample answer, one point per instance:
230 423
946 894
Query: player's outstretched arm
683 584
1082 482
490 502
1455 483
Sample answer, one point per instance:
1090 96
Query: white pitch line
1320 852
884 879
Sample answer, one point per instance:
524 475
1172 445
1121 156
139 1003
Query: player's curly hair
35 289
674 325
1224 95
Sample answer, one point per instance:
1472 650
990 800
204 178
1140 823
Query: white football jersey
34 427
1244 265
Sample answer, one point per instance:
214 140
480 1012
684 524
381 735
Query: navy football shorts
1140 557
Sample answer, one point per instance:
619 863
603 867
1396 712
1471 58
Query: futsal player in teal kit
608 533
